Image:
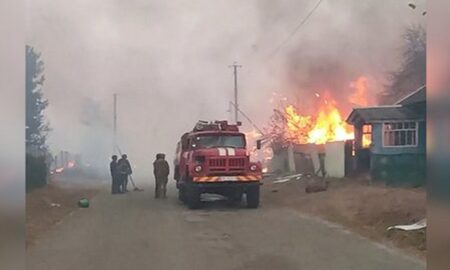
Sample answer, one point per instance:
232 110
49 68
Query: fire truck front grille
217 163
230 165
236 162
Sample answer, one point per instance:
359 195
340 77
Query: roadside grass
363 207
41 215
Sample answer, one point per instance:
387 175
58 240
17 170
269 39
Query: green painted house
390 141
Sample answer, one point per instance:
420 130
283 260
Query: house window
366 136
400 134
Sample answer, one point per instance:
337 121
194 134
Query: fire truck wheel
182 194
193 198
235 198
253 197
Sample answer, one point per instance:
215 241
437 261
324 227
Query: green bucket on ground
83 203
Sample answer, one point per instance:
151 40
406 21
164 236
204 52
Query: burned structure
331 159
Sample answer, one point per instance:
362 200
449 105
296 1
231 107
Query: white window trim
400 146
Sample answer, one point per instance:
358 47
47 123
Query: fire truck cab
212 158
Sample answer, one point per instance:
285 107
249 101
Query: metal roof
382 113
399 111
415 97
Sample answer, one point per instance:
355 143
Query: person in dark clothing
161 172
114 176
124 170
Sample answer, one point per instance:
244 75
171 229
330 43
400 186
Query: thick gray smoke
168 63
342 41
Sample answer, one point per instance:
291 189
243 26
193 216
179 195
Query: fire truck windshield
210 141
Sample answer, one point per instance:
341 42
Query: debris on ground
83 203
421 224
48 205
288 178
316 185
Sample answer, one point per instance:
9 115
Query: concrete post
291 160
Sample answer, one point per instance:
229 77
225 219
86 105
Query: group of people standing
121 170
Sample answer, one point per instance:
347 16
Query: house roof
415 97
382 113
399 111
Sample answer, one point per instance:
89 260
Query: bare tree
412 72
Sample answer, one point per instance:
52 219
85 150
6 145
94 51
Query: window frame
416 129
241 135
365 132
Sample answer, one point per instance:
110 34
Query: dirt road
134 231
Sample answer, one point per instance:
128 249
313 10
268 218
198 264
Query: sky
168 61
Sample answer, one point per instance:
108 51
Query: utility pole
235 66
114 122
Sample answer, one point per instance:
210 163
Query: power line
248 118
295 30
235 66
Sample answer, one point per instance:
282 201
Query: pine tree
36 125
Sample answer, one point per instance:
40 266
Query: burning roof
291 123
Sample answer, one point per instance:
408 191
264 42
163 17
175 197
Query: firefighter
114 175
124 170
161 172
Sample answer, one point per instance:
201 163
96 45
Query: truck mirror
258 144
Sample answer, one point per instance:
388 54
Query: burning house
396 154
318 143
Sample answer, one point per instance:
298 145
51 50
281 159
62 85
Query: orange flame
328 126
297 126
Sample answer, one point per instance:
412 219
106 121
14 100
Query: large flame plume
290 123
327 124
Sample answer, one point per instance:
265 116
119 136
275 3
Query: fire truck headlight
198 168
253 168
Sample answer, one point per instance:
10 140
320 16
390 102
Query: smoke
168 62
342 41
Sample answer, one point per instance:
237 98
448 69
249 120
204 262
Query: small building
390 141
332 159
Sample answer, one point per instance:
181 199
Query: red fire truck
212 158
